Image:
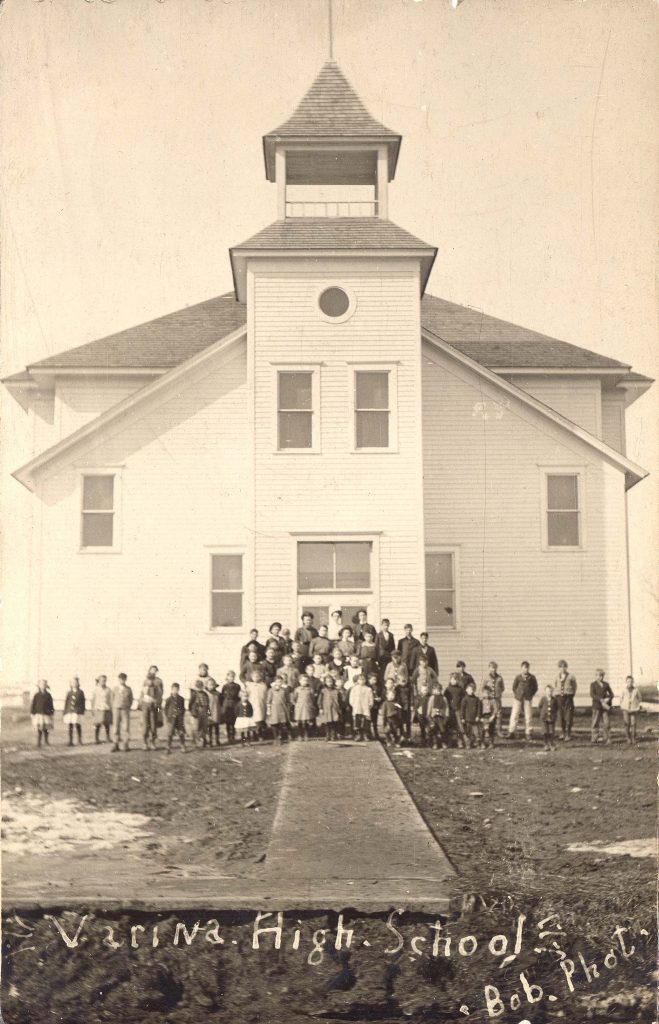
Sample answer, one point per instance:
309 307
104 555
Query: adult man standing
385 645
424 650
525 688
406 646
565 689
602 697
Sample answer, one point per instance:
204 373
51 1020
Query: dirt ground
505 818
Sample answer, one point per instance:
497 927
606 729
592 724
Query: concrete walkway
347 833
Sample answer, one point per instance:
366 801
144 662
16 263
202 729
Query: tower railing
356 208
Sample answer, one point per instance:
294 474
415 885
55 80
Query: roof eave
239 255
270 141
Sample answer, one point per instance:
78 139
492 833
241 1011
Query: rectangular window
441 589
563 511
338 566
295 428
98 511
226 590
372 409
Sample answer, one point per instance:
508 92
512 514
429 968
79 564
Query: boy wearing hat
525 687
565 689
406 646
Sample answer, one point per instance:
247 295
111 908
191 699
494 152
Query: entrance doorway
335 574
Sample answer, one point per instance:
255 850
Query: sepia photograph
330 519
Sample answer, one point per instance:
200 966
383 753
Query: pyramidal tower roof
331 110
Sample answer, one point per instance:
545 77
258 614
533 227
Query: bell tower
331 158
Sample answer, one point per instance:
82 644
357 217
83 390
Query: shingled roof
334 233
498 344
172 339
331 109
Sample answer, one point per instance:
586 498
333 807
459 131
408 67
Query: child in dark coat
245 719
330 707
174 717
548 712
42 711
471 716
392 719
230 704
74 709
199 708
437 712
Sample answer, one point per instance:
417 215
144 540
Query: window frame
330 597
392 370
352 302
454 551
226 550
110 549
335 590
314 370
579 473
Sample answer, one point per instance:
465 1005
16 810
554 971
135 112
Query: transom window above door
334 566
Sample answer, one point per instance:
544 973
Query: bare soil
509 845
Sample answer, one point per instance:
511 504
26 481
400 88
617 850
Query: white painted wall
579 400
184 489
483 492
337 490
613 420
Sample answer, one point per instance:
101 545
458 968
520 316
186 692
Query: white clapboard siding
579 400
483 462
184 489
613 421
337 491
78 401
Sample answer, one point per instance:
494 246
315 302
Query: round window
334 302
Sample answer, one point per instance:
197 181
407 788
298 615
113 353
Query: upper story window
374 409
297 409
99 527
563 512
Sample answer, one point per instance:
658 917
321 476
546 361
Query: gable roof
329 234
171 339
501 345
331 109
27 473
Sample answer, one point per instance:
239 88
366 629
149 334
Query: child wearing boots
437 712
230 704
392 716
214 713
361 702
548 712
279 714
630 704
305 707
330 708
42 711
147 705
175 717
245 719
74 709
199 706
471 716
102 708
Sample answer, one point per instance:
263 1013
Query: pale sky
132 160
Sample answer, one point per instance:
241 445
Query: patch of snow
35 825
626 848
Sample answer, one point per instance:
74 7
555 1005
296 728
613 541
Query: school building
326 435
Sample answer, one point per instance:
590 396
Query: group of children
355 684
